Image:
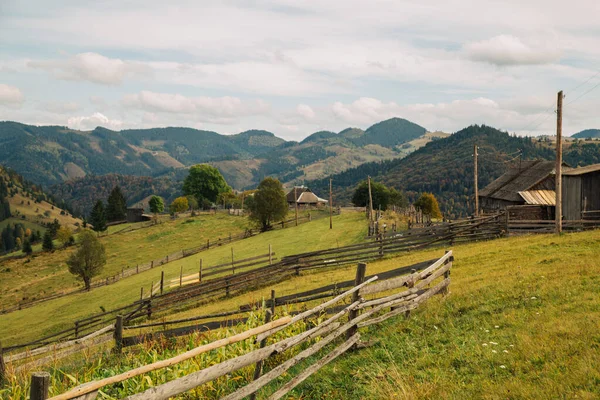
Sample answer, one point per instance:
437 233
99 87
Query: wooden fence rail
387 298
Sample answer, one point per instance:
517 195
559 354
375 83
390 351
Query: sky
297 67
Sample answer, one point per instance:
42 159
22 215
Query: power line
583 94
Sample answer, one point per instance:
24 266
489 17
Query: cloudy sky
295 67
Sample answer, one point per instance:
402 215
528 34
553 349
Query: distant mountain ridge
587 133
50 155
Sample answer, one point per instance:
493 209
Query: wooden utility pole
476 186
330 205
370 199
296 204
558 167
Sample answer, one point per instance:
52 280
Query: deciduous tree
428 204
205 182
64 235
88 260
268 204
178 205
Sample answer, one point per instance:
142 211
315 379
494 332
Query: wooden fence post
207 244
40 383
200 272
149 308
119 334
162 281
269 313
2 367
361 269
142 293
151 288
446 290
76 329
226 287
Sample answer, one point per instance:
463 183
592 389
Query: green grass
521 322
46 273
58 314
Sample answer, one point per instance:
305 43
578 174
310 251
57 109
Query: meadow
54 315
520 322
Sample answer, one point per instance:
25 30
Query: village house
304 197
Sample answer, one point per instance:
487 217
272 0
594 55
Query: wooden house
136 214
581 193
525 183
304 197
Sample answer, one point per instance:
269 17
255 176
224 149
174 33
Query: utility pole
476 185
558 167
370 199
296 204
330 205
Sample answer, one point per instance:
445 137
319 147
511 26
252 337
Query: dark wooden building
136 214
581 193
525 183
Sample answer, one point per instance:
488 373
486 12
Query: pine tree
47 245
27 249
116 209
98 217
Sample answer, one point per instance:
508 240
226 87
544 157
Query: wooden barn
525 183
304 197
136 214
581 193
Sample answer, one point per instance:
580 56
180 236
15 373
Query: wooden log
118 334
58 346
162 281
314 368
259 365
2 367
92 386
40 383
317 309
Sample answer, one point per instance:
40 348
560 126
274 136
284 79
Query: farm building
136 214
581 193
528 191
304 197
526 182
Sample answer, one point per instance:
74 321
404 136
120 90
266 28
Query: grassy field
521 322
47 273
59 314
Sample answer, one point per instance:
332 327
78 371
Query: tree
157 205
178 205
98 217
27 249
88 260
116 209
193 203
428 204
64 235
53 228
269 203
205 182
379 192
47 244
398 198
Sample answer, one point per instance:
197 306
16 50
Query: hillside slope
445 166
587 133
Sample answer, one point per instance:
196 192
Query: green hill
444 167
586 134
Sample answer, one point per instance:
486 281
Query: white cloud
10 96
90 122
213 109
305 111
509 50
91 67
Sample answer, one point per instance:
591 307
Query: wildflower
496 327
494 351
494 343
512 345
485 344
533 298
505 351
503 366
435 327
487 330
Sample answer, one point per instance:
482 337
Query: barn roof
582 170
539 197
519 177
305 196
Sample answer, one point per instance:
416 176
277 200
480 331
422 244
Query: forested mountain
52 154
587 133
82 193
444 167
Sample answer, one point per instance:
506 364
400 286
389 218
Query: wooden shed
525 182
581 193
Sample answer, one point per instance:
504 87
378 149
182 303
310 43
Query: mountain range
587 134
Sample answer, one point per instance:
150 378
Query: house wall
571 197
530 212
490 205
590 191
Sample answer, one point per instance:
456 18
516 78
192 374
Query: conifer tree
47 244
116 209
27 249
98 217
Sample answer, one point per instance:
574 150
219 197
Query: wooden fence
371 301
257 275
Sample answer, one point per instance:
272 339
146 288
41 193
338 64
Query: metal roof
582 170
520 177
539 197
